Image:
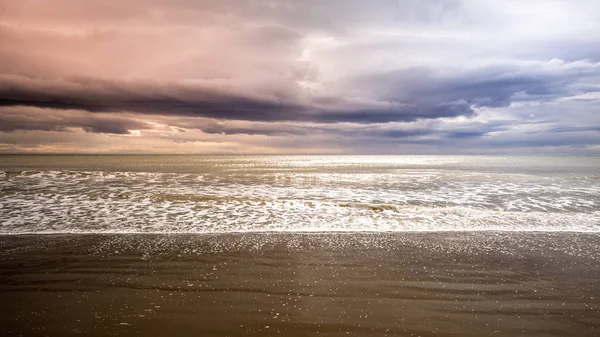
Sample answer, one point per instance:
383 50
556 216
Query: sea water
220 194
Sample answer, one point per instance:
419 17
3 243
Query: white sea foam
303 197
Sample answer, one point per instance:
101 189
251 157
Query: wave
64 201
275 216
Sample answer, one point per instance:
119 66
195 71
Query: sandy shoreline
369 284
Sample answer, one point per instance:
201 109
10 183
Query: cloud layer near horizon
405 76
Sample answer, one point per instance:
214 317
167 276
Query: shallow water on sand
344 284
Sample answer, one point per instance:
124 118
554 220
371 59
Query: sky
306 77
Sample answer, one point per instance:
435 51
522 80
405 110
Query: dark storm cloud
398 131
484 87
51 120
179 100
405 95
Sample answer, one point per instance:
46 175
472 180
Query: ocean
140 245
222 194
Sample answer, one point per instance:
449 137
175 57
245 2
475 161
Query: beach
125 245
230 168
301 284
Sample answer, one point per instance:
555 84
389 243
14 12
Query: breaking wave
63 201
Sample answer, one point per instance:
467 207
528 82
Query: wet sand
379 284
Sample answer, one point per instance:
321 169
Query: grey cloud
484 87
370 132
23 119
157 99
571 50
212 126
547 141
575 128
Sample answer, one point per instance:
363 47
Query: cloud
351 75
33 119
155 98
488 86
405 95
